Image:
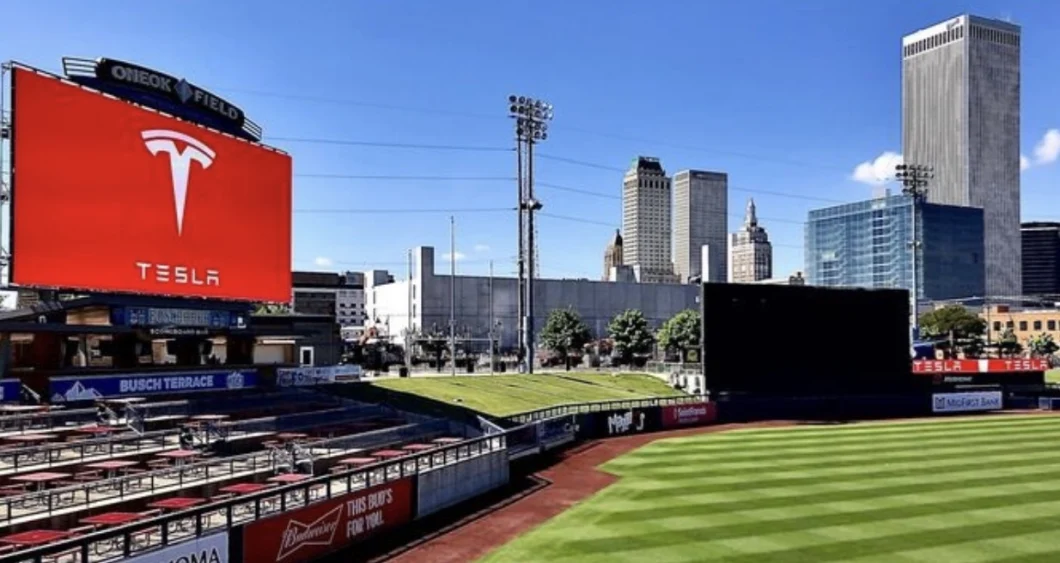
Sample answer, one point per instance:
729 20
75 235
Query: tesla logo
180 275
164 141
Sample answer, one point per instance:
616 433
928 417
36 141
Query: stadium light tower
531 127
914 179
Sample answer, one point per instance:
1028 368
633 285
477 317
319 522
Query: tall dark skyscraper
1041 258
961 116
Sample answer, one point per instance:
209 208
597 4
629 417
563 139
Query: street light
914 179
531 127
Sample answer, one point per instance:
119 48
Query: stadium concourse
67 472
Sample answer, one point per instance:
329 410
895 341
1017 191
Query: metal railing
49 420
597 406
142 536
15 460
71 498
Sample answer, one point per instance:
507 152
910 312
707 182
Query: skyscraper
646 221
961 115
701 207
752 255
1041 258
612 255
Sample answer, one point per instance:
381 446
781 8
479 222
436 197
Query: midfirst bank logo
163 141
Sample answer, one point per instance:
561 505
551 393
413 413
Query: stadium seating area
74 471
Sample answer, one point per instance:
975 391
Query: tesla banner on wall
304 535
108 196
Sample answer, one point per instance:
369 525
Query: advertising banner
618 422
152 204
689 414
301 377
316 530
992 365
556 428
170 317
966 402
205 549
89 388
10 390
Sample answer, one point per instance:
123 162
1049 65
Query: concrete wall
597 302
445 486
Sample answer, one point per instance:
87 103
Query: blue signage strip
154 317
10 390
89 388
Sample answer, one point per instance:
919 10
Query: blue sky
784 96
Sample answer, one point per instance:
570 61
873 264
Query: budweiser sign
319 532
307 534
689 414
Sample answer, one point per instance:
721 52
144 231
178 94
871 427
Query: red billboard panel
108 196
316 530
689 414
992 365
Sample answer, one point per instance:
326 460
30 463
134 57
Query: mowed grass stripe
809 541
696 502
752 527
953 487
752 436
707 520
794 436
751 520
805 457
771 477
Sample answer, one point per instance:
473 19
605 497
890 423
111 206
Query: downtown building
1040 243
961 116
751 253
424 303
646 221
701 226
867 244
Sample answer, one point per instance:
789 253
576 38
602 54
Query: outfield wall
448 485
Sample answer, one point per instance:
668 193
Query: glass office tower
866 244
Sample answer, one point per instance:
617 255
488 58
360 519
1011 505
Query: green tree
564 333
1009 345
1042 345
630 334
272 309
681 333
954 327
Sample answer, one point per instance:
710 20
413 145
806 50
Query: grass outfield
952 490
503 395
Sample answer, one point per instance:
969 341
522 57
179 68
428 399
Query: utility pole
452 292
914 179
491 335
531 127
409 327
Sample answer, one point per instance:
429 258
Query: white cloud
482 248
1048 149
1025 163
323 261
879 171
449 256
